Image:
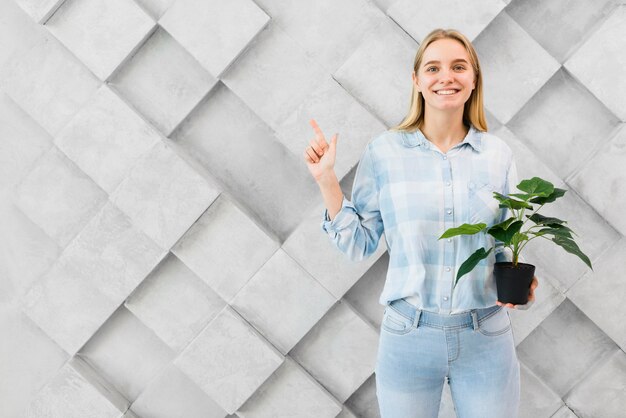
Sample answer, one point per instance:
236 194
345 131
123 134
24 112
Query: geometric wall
161 250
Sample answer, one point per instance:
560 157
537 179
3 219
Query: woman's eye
430 68
460 66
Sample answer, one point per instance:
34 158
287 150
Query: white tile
249 163
605 49
58 197
555 113
173 394
101 33
559 27
225 248
174 303
514 66
112 254
605 284
48 82
126 354
214 32
162 81
282 301
39 10
163 195
273 75
378 73
305 22
69 395
290 392
602 176
229 360
419 18
106 138
66 306
335 111
601 394
575 342
340 351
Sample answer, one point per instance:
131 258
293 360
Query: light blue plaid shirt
407 188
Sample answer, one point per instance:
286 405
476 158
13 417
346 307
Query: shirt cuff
344 217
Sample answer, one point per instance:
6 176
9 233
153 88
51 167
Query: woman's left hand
531 297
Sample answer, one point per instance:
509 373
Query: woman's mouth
450 92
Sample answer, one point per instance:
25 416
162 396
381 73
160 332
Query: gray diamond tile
606 283
555 113
349 21
514 66
39 10
602 176
536 398
174 394
246 141
559 27
111 254
378 73
48 83
273 76
340 351
163 81
163 195
126 354
290 392
225 248
214 32
576 345
70 395
285 320
335 111
100 33
107 153
605 49
58 197
229 360
601 394
174 303
419 18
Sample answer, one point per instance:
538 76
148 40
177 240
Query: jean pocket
497 323
395 322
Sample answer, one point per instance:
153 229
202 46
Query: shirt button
445 298
445 158
447 268
449 211
447 183
449 239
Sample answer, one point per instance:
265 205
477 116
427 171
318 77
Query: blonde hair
473 112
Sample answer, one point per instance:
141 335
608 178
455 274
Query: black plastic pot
513 282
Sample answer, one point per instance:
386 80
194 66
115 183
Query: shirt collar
417 138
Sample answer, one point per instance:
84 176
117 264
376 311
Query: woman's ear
415 81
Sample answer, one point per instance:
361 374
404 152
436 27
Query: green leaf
543 220
507 202
562 231
551 198
518 237
469 264
505 234
536 186
465 229
570 246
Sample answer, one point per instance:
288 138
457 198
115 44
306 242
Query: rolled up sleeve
358 226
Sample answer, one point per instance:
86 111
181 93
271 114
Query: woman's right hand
319 155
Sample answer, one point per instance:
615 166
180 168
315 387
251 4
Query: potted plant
513 278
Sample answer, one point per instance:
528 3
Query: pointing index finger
318 133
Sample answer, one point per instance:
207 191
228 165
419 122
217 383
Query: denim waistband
471 318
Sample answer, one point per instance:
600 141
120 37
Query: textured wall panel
161 253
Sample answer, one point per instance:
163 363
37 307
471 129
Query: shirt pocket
483 206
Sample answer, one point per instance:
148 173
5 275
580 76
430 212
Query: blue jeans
475 350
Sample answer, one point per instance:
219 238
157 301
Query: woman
437 169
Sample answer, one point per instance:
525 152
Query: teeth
445 92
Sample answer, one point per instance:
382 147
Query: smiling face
445 69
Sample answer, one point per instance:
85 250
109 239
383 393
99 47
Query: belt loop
418 314
474 319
